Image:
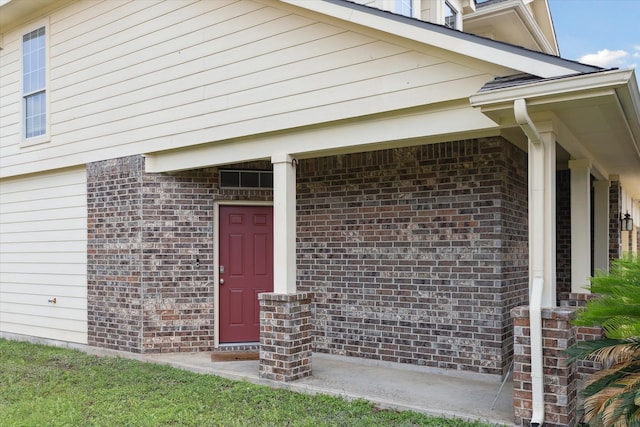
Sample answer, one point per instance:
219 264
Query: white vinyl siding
43 244
136 77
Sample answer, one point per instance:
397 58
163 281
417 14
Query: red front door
246 269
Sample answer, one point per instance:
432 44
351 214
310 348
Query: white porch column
601 225
549 297
542 215
284 224
580 224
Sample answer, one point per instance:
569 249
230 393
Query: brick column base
285 336
586 368
572 299
560 377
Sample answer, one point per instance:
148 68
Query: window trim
456 14
46 137
397 3
390 5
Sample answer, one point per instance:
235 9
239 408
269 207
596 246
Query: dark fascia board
441 29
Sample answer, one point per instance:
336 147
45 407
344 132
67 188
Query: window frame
456 15
397 5
391 5
46 136
265 179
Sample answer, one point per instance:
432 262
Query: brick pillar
560 378
285 336
615 209
585 368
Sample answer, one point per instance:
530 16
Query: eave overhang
439 36
596 116
14 12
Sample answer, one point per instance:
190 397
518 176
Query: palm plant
612 395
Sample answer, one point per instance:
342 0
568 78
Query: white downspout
537 375
525 122
536 245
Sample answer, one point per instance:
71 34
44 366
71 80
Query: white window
34 83
404 7
450 16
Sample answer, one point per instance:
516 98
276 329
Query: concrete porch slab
393 386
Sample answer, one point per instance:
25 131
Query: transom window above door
245 178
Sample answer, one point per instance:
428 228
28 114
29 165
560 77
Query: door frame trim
216 256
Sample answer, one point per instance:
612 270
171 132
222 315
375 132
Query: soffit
15 12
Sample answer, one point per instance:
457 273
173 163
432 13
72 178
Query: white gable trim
525 15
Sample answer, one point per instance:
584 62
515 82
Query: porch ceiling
594 116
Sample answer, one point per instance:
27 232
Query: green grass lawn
49 386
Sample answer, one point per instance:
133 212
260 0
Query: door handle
222 281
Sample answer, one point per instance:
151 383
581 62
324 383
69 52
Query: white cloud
606 58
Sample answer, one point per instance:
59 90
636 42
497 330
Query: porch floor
434 392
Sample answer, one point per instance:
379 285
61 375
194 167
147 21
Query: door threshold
238 346
229 352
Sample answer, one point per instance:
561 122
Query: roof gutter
537 269
616 90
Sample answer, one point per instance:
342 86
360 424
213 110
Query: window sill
35 141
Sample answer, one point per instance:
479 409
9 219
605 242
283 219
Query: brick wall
563 231
114 276
615 238
177 263
416 255
514 232
147 233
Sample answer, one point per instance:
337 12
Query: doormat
230 356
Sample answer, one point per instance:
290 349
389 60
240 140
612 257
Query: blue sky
605 33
